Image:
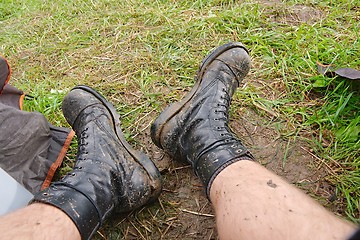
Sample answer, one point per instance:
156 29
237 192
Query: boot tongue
95 131
208 117
221 75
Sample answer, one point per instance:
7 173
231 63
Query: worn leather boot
109 176
195 130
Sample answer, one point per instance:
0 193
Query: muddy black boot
109 176
196 129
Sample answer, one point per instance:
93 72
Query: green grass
143 55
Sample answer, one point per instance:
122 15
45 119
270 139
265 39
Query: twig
273 114
321 160
179 168
142 236
166 230
161 205
197 213
98 232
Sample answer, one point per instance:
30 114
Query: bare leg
38 221
253 203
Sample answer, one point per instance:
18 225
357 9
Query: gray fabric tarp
31 149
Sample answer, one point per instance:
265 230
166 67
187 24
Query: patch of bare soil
295 15
291 160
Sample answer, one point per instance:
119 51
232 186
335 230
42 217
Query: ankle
217 159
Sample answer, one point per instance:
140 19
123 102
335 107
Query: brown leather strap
5 72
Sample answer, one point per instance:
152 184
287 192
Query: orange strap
58 161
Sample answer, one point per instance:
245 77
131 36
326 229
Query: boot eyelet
45 194
73 174
218 128
216 119
227 140
239 151
233 146
80 168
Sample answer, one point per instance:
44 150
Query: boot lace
223 109
82 143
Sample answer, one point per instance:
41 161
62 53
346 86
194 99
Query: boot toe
238 60
75 102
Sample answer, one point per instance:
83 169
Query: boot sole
140 157
175 108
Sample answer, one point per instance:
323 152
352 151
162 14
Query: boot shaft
196 129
